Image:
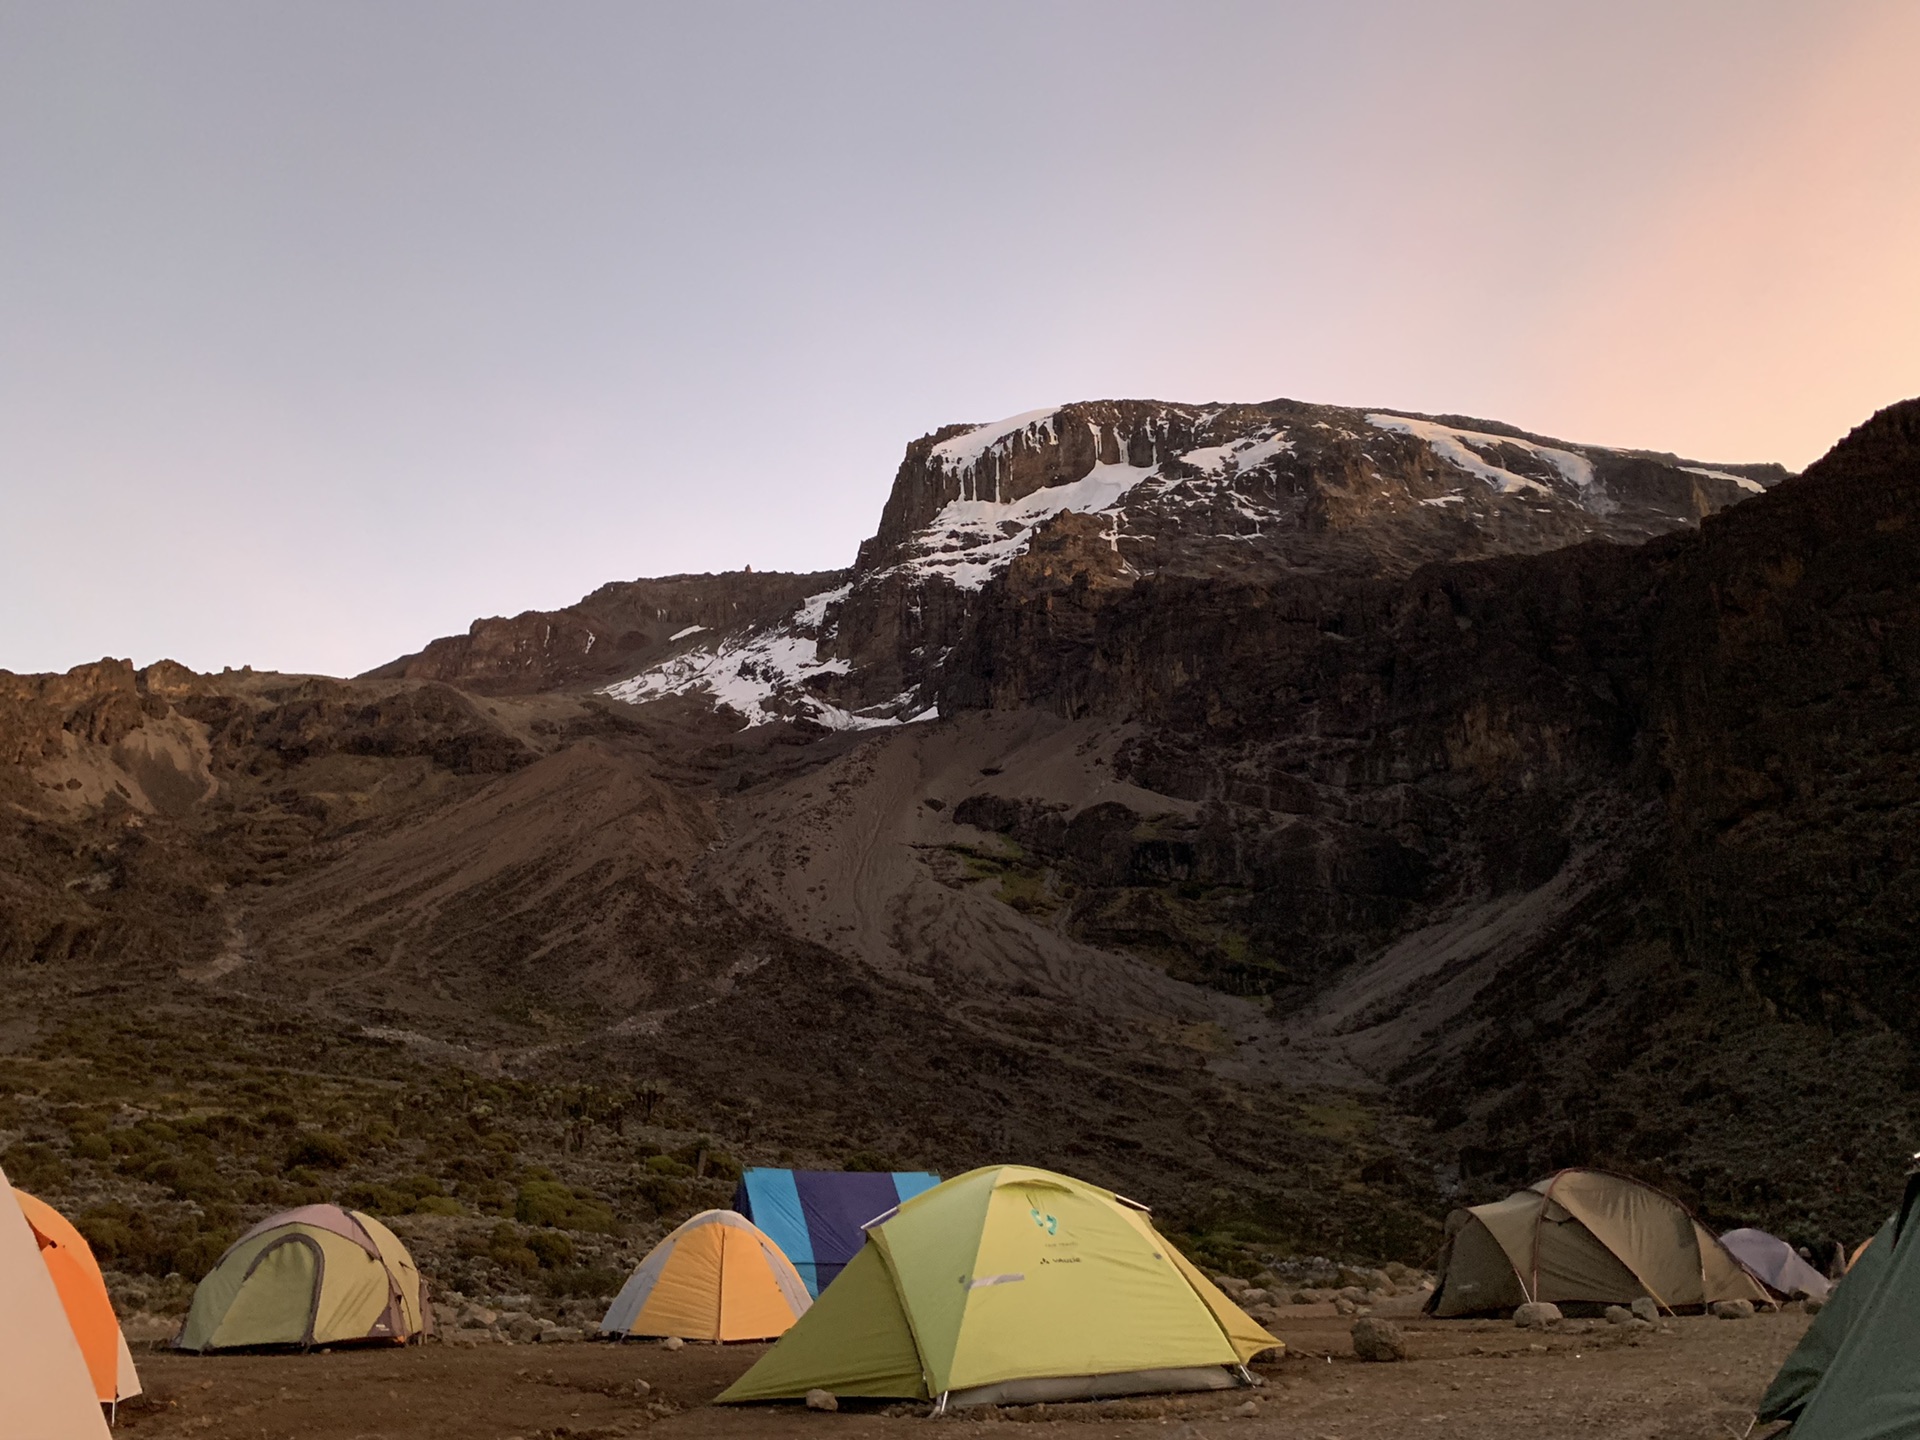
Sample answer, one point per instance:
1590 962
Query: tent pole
939 1406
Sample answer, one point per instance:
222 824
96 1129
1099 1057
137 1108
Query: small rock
1536 1315
1344 1306
672 1342
1304 1297
1249 1408
1232 1284
821 1400
1647 1308
1356 1293
523 1329
1536 1349
641 1389
1731 1309
1251 1297
562 1335
1815 1304
1618 1315
1378 1340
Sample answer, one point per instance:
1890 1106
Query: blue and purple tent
816 1216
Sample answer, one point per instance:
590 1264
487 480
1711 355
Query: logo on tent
1045 1222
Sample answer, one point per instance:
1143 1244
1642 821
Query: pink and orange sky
324 329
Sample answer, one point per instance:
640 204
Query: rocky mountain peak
1090 497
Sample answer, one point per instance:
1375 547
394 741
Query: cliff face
1515 825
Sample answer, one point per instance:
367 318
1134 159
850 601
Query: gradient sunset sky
325 328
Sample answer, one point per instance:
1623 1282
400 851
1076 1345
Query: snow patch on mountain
1461 449
762 675
1239 455
970 541
963 452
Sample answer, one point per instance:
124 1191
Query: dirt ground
1465 1380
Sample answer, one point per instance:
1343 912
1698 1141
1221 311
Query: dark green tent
1852 1375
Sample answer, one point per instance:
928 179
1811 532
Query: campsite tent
45 1390
815 1216
1776 1265
1856 1294
318 1275
83 1295
715 1278
1583 1236
1008 1284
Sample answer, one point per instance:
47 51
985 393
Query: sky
327 328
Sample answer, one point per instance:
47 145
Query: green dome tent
1011 1285
1852 1375
1584 1237
318 1275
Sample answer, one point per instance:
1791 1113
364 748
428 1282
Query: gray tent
1584 1237
1776 1265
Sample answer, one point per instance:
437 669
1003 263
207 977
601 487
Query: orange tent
715 1278
76 1276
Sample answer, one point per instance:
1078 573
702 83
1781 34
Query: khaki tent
1584 1237
715 1278
83 1295
45 1390
318 1275
1011 1285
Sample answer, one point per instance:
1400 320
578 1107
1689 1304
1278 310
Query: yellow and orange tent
45 1390
715 1278
83 1294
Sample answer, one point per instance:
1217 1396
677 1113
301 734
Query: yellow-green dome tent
318 1275
1011 1285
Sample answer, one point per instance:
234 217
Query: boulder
1537 1315
672 1342
1378 1340
1344 1306
1618 1315
521 1329
1232 1284
1731 1309
1305 1297
1646 1308
562 1335
821 1400
1251 1297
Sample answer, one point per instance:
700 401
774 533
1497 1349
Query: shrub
552 1246
35 1167
543 1202
549 1203
506 1249
319 1150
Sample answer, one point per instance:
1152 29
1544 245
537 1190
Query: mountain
1300 818
1107 493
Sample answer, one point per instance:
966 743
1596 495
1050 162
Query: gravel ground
1465 1380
